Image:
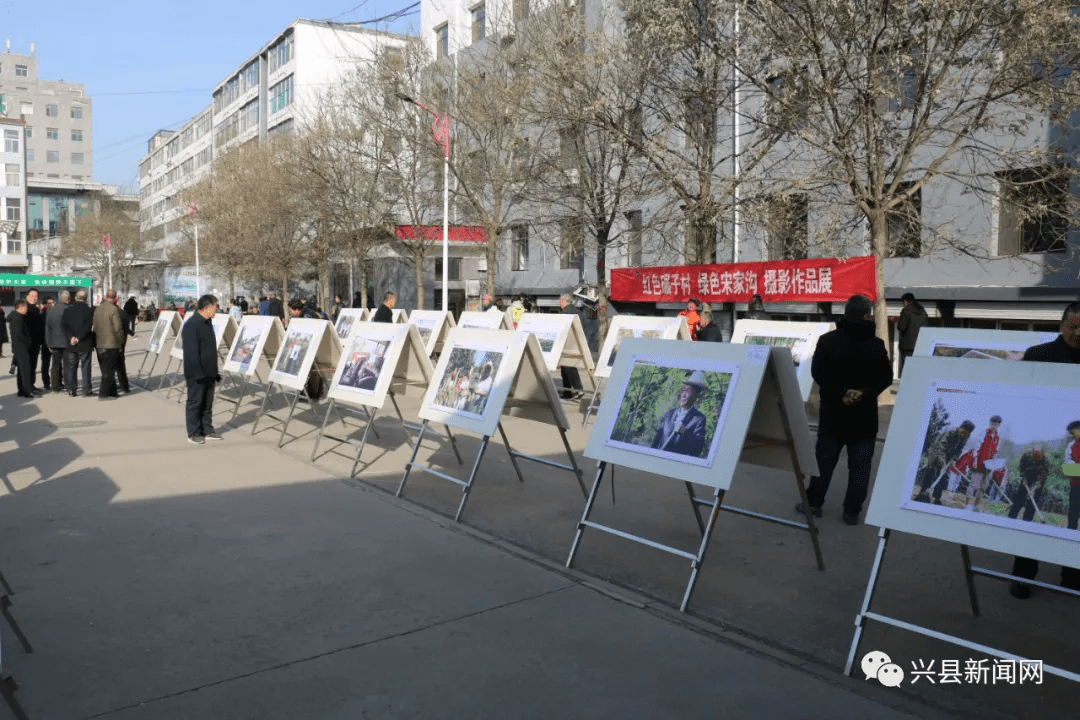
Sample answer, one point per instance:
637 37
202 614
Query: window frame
519 247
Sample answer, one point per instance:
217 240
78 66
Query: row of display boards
686 411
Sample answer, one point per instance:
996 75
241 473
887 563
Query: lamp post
440 132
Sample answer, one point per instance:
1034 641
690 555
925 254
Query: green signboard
13 281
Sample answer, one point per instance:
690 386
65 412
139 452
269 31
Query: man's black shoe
851 519
1020 591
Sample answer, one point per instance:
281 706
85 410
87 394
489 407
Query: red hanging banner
787 281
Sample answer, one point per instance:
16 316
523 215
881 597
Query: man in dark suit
57 340
384 313
571 378
78 325
19 333
682 429
201 371
35 321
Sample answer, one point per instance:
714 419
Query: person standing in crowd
47 359
755 309
108 337
131 308
571 378
336 308
299 309
851 368
682 428
78 325
201 371
912 318
708 331
235 312
20 350
3 334
486 303
128 321
243 304
385 312
57 340
1065 348
35 321
264 305
276 307
693 319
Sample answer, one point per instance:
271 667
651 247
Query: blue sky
149 65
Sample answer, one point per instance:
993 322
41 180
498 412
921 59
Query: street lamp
440 132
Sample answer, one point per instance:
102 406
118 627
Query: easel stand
466 485
171 376
8 686
969 573
296 396
146 354
239 399
594 404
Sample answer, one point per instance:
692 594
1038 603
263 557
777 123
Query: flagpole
198 275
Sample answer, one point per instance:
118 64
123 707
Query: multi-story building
13 196
272 91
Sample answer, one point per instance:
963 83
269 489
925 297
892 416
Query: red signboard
455 233
787 281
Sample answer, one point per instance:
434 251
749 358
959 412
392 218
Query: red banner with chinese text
787 281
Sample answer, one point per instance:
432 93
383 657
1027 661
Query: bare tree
111 230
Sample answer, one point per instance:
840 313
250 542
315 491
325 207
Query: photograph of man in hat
682 429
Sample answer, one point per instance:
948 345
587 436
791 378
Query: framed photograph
247 347
465 386
161 331
477 320
985 454
430 325
178 342
799 338
632 326
345 321
550 330
680 410
303 341
371 360
974 344
293 353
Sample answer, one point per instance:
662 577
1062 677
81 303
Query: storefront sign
10 281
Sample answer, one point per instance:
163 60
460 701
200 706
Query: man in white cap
682 429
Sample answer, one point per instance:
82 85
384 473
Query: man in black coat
35 321
19 333
274 307
384 313
912 318
708 331
571 378
57 340
78 323
201 371
1065 348
851 368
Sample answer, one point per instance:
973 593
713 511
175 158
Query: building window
11 141
571 245
29 155
52 156
14 246
786 103
77 158
29 132
76 135
442 41
249 114
76 112
250 75
569 139
904 225
633 243
14 209
788 227
52 134
1033 210
21 71
26 108
478 18
521 10
52 111
281 95
519 247
11 174
280 54
453 272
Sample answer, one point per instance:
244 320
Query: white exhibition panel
375 355
304 339
533 393
167 322
432 326
1035 400
779 399
551 331
399 316
978 344
345 321
799 337
178 342
224 329
249 343
473 378
644 364
489 320
627 326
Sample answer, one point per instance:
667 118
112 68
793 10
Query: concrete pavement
163 580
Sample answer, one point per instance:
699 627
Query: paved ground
158 579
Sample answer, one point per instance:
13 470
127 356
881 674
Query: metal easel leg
573 463
322 429
5 585
288 418
871 584
453 444
586 512
472 476
718 500
164 373
404 427
8 686
592 404
965 554
510 452
239 399
363 442
138 373
697 509
800 481
262 409
412 459
5 610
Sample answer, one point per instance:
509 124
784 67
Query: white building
13 196
271 91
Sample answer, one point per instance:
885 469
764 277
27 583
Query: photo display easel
481 375
259 336
380 360
176 352
631 326
925 447
971 343
691 412
224 333
167 324
398 315
433 326
562 340
345 320
492 319
307 348
799 337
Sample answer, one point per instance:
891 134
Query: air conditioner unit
481 264
472 288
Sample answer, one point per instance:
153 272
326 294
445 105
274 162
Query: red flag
106 240
194 209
